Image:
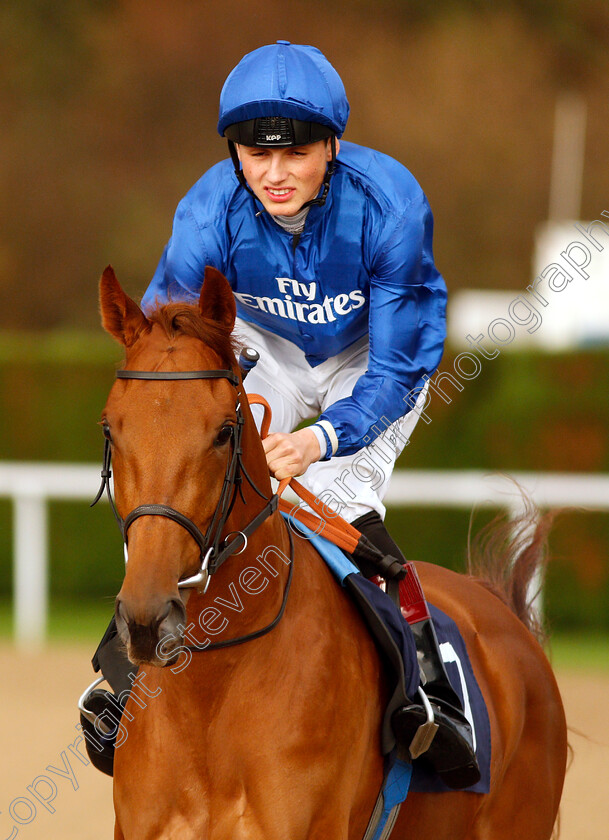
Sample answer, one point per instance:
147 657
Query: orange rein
333 527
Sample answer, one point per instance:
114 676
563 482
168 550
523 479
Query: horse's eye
106 430
224 435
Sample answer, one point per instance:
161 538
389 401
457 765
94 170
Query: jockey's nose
151 636
276 172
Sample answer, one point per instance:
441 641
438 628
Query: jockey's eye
224 435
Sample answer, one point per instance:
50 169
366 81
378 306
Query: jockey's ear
217 301
329 148
121 316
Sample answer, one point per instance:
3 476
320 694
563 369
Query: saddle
393 638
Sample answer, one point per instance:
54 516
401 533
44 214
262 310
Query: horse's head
171 442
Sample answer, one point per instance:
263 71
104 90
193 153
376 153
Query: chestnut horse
276 738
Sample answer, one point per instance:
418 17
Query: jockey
328 249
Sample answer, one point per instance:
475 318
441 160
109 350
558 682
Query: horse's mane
507 555
186 319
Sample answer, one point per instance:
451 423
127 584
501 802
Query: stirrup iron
87 713
426 731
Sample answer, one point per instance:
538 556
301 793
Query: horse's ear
121 316
217 301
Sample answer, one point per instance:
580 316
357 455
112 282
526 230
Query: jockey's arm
406 333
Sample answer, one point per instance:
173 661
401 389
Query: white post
30 570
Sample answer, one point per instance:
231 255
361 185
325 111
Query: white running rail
31 485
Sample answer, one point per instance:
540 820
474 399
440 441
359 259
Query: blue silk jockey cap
284 80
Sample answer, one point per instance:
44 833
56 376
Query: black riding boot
110 658
451 752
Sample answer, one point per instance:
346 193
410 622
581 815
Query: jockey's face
285 178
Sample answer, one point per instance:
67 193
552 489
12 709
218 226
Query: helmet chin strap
330 170
320 200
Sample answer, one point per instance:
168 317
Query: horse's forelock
185 319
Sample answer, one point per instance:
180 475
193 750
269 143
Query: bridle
213 549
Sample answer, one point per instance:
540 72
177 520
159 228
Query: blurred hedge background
107 116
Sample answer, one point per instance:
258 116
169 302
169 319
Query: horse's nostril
165 612
173 615
178 605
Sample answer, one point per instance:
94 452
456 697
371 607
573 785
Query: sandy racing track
38 698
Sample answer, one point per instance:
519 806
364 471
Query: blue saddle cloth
453 650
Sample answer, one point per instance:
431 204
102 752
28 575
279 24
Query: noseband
213 550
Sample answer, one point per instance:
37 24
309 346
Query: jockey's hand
290 455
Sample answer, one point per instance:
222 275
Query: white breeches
351 485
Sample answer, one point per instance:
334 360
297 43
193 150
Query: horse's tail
509 557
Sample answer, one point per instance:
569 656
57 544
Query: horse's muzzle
154 640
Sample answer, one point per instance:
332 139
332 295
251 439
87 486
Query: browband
178 374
